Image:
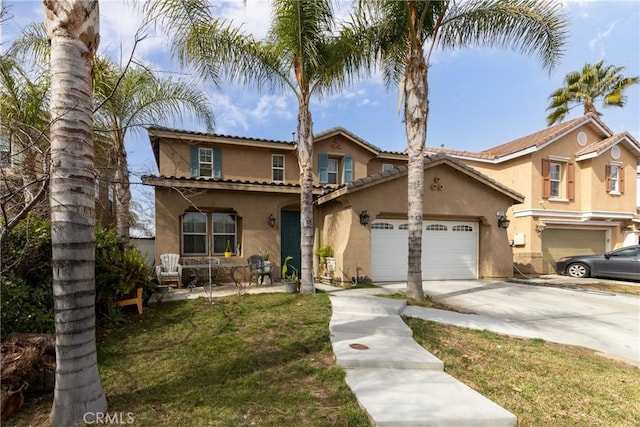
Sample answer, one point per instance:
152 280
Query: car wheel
578 270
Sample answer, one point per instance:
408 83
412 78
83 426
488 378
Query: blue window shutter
217 163
347 169
323 168
194 159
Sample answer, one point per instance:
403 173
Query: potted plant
327 262
290 275
227 251
323 253
265 258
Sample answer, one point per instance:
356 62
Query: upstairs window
558 179
555 178
334 170
277 167
206 162
614 178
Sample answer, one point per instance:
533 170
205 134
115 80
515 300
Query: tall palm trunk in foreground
72 26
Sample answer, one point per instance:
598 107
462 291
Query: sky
479 97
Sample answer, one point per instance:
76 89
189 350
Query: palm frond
534 27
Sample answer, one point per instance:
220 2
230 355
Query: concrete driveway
603 321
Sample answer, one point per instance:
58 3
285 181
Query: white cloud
229 117
269 106
597 43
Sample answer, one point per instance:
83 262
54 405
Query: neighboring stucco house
579 182
215 191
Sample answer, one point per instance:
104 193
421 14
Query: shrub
119 272
25 308
26 276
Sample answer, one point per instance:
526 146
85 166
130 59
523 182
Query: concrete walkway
396 380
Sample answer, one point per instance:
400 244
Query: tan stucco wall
462 198
252 209
238 162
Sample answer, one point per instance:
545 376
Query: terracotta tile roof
167 181
532 141
151 129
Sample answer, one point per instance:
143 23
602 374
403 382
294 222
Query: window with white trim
277 167
335 169
194 233
558 179
332 171
555 177
224 232
462 228
205 161
615 178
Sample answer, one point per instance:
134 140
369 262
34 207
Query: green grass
263 360
542 383
266 360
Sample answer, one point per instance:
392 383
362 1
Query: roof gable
429 162
600 147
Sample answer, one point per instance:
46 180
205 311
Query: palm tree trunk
305 161
72 26
416 110
122 193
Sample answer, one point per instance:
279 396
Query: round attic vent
615 152
582 139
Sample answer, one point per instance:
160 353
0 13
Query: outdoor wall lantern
271 220
364 218
503 222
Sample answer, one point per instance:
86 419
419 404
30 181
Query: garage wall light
364 218
271 220
503 222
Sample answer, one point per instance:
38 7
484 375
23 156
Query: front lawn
266 360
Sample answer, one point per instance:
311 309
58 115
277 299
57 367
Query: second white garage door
449 250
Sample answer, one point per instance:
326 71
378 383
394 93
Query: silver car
623 263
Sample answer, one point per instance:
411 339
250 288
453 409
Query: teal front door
290 237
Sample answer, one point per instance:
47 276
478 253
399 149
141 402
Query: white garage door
449 250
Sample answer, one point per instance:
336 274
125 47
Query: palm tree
402 37
131 98
301 53
24 119
593 83
72 26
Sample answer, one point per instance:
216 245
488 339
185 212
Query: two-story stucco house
578 179
215 192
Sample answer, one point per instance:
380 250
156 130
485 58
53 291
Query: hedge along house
215 192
